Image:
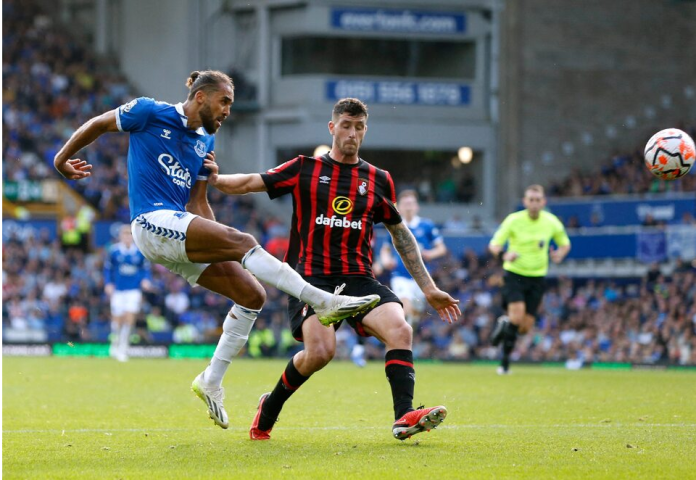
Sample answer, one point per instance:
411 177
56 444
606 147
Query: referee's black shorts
518 288
356 285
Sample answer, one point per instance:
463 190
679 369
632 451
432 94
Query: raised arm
75 169
405 243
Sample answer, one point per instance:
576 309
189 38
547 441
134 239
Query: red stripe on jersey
298 213
395 362
391 185
353 195
364 260
335 174
286 183
311 228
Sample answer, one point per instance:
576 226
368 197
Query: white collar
126 251
184 119
414 222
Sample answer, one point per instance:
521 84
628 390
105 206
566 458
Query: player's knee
320 356
400 336
256 298
240 241
247 241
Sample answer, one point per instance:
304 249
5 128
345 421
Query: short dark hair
351 106
207 80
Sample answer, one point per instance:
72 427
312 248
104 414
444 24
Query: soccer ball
670 154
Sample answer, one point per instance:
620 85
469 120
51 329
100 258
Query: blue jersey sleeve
133 116
435 235
108 268
204 172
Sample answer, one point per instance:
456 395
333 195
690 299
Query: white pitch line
444 426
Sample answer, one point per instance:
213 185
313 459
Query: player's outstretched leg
342 306
330 308
416 421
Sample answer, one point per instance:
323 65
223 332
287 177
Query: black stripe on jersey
339 251
373 200
324 237
350 235
298 240
308 231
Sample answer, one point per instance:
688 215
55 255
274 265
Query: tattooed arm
405 243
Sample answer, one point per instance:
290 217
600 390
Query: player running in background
431 245
174 226
526 262
337 199
126 274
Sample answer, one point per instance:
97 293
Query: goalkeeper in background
528 234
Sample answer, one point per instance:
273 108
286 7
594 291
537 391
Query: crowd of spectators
51 294
52 84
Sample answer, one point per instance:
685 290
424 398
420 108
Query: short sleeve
503 233
560 236
387 212
435 235
133 116
282 179
204 172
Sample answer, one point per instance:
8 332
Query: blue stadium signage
400 93
409 21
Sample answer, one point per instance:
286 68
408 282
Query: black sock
509 339
289 382
402 378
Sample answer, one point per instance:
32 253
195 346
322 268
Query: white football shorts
126 301
161 237
407 288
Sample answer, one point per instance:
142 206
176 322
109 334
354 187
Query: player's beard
207 119
349 150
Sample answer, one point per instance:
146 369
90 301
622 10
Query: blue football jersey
125 267
427 235
165 157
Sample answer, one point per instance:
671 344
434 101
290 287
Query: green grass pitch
95 418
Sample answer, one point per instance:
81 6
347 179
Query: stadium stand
52 83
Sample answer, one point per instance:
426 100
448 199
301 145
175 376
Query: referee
526 262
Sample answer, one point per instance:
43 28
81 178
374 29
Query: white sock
235 332
124 339
115 336
272 271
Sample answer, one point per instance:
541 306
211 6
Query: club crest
363 186
200 148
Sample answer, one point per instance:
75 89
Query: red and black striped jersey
335 207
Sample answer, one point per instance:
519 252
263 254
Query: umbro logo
324 179
166 134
